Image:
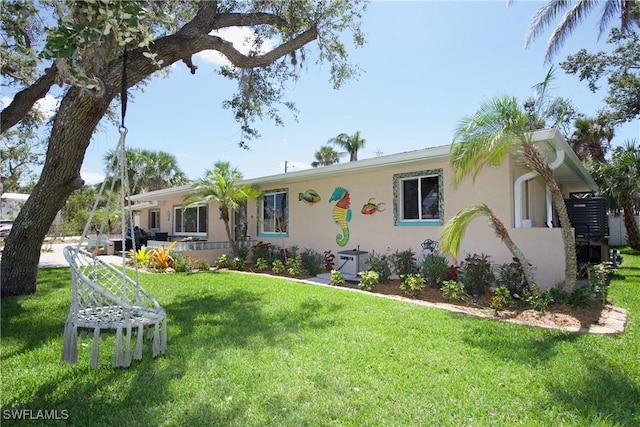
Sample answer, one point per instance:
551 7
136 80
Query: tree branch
25 99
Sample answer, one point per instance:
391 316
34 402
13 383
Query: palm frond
454 229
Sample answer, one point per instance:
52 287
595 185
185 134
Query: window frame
260 213
199 232
398 202
154 213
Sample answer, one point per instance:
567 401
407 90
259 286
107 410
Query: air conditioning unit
351 262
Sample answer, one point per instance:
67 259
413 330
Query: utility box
351 262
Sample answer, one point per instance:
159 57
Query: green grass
253 351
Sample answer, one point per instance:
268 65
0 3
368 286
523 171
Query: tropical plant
368 280
294 266
82 45
161 257
238 263
476 274
336 278
454 229
501 299
501 126
220 186
511 276
403 262
262 264
311 261
411 284
351 143
278 266
142 256
435 268
380 264
325 156
620 180
627 11
222 261
591 139
453 290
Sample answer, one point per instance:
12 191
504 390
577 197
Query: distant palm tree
501 126
627 11
591 139
455 228
220 186
150 170
620 180
326 156
350 143
160 171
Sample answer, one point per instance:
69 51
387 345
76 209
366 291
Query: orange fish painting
370 207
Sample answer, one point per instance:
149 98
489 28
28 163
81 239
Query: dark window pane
190 220
410 199
202 219
177 220
429 192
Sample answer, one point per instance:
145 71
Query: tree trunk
633 234
536 160
227 227
503 234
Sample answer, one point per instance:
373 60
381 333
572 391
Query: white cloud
48 106
240 37
92 178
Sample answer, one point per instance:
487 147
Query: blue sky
426 64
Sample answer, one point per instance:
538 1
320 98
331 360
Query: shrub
238 263
262 264
161 257
511 276
435 268
222 261
501 299
411 284
380 264
403 262
294 266
337 279
311 261
368 280
476 274
182 264
203 265
142 256
537 299
278 267
579 297
262 250
453 290
243 253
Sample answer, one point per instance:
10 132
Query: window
154 219
274 213
418 198
191 221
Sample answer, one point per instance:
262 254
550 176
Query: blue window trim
431 222
260 210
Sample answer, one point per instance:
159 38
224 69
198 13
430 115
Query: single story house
385 204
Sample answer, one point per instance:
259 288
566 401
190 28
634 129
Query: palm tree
220 186
454 230
501 126
628 12
591 139
350 143
620 179
160 170
326 156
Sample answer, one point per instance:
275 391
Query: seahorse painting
341 213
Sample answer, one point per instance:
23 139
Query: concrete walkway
55 257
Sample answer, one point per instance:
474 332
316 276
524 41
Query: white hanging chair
103 296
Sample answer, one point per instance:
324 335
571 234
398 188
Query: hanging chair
104 297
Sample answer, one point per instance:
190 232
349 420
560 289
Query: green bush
203 265
403 262
294 266
501 299
476 274
368 280
511 276
278 267
337 279
380 264
262 264
435 269
181 264
453 290
537 299
311 261
238 263
411 284
222 261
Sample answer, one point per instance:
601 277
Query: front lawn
250 350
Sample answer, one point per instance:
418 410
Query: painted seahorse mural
341 213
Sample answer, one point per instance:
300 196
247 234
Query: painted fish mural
310 197
341 213
370 207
